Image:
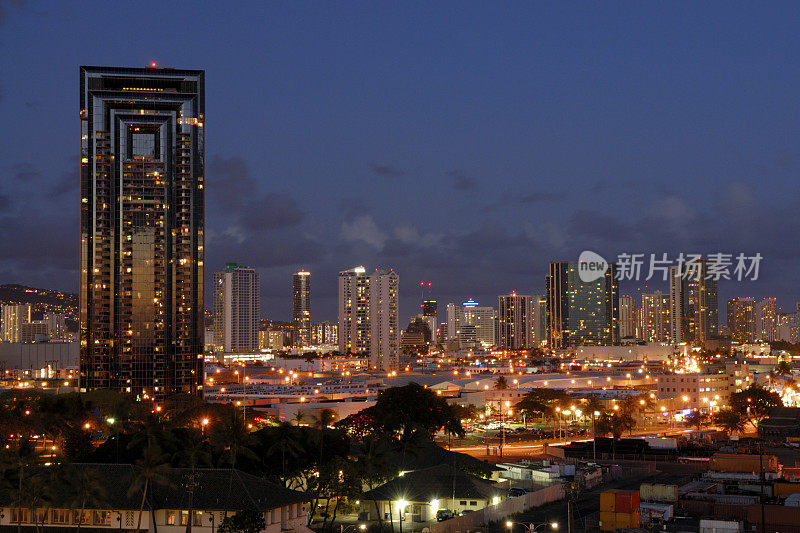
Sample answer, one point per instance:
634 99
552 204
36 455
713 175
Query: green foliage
730 420
697 419
755 403
544 401
501 383
247 521
404 413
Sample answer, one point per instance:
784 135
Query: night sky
466 144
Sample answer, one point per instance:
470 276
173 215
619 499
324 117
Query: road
525 448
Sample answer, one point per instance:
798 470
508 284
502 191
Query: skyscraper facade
429 315
581 313
742 320
471 324
142 230
368 315
766 315
301 309
13 317
653 317
539 320
627 317
514 322
237 309
694 309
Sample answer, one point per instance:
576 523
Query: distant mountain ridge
42 301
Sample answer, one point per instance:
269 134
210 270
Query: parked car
444 514
515 492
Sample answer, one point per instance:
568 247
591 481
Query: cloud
460 181
364 228
228 182
536 197
4 8
273 210
387 170
25 172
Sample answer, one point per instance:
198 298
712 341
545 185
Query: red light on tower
153 64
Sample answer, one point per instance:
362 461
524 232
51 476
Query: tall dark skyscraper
694 309
301 308
581 313
142 230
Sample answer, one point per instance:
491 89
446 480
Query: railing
477 520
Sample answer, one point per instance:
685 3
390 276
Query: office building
56 326
627 317
301 309
237 303
12 319
514 322
142 230
36 331
471 324
539 320
429 315
581 313
653 317
694 312
368 316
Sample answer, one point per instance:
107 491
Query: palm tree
299 417
783 369
730 420
193 450
232 437
86 488
286 443
697 419
22 456
151 469
36 496
501 383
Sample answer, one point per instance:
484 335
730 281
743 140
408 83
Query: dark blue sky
463 143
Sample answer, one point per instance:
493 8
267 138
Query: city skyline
672 184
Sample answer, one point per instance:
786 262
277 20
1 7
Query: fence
477 520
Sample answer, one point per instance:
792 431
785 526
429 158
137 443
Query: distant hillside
43 301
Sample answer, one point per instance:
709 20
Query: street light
203 424
594 437
531 527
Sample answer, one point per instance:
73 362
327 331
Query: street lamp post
594 437
530 528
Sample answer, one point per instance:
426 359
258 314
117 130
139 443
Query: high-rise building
56 326
539 320
142 230
36 331
581 313
627 317
301 309
237 304
13 318
471 324
429 312
694 311
766 314
514 321
789 327
653 317
742 320
368 315
325 333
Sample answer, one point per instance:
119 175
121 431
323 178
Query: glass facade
142 230
580 313
301 309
